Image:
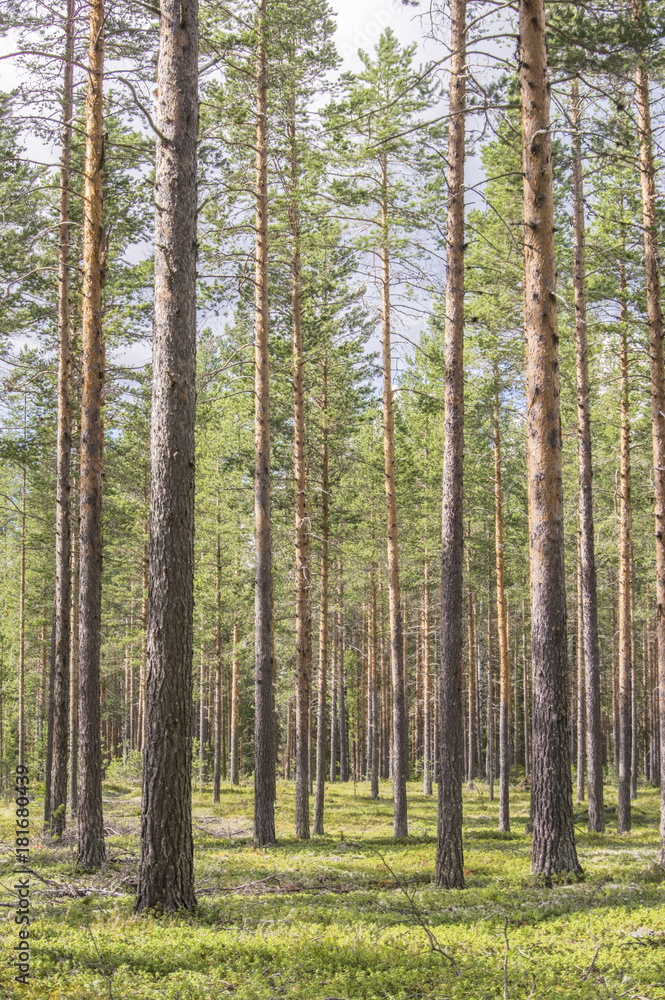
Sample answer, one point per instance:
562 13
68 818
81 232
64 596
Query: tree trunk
91 851
525 694
504 647
625 629
333 701
400 761
633 683
302 521
657 369
472 669
218 750
581 700
202 703
489 765
427 688
21 632
264 808
234 757
372 697
341 683
323 619
449 854
72 784
63 449
166 861
553 830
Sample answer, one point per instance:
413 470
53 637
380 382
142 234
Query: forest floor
346 916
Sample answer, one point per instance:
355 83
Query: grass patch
344 915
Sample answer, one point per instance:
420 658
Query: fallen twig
418 916
593 962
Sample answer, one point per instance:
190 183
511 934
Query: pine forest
332 499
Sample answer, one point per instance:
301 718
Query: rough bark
91 850
449 854
166 861
264 765
553 830
504 647
323 618
63 449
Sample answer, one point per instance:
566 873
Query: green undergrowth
350 915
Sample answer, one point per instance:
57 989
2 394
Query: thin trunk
449 854
234 756
91 851
646 700
219 751
427 688
657 368
581 669
372 699
489 765
553 824
625 629
202 703
21 634
633 683
333 702
264 766
400 762
72 784
472 677
525 694
63 450
302 567
504 647
341 681
323 619
166 860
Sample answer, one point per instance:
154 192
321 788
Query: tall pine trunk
399 728
625 629
427 687
90 819
63 448
449 854
553 825
264 754
302 521
323 619
166 861
343 729
657 370
504 648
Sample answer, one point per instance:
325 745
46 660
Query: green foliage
333 918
